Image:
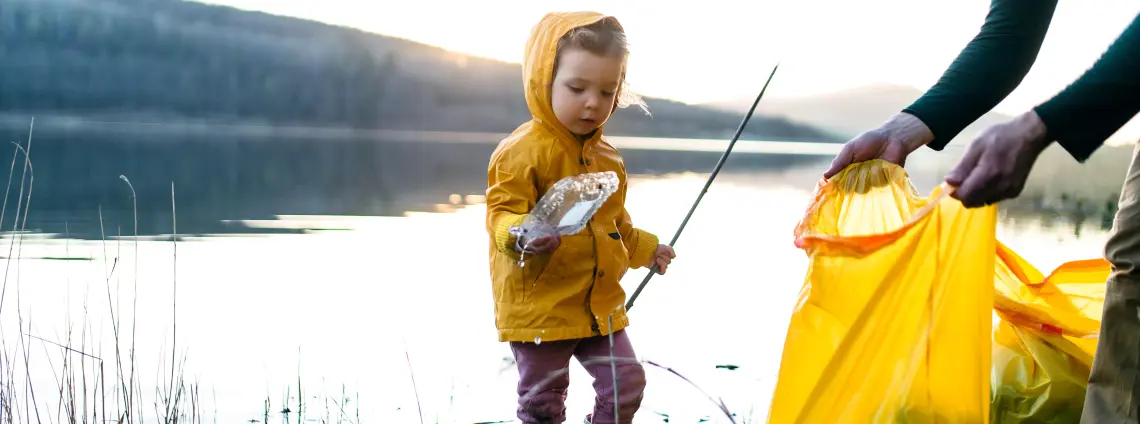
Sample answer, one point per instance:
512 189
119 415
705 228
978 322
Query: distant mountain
850 112
180 59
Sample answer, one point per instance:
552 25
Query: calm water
363 287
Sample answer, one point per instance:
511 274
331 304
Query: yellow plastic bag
892 325
1044 342
893 322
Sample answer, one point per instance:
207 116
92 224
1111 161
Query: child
558 305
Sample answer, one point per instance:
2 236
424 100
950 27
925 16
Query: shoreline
170 125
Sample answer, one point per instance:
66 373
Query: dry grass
87 385
85 389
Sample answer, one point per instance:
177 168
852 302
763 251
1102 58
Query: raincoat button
581 161
602 273
587 162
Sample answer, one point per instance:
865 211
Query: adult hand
893 141
998 161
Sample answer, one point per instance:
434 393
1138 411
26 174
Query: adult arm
986 70
1083 115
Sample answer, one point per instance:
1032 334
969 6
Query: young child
558 305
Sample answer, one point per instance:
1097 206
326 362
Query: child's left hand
662 258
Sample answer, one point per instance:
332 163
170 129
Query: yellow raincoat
570 293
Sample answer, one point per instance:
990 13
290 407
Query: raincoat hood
538 64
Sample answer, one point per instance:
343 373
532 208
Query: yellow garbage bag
893 322
1045 339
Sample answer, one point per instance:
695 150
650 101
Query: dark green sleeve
987 69
1082 116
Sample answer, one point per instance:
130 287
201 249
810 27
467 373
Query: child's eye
575 89
607 93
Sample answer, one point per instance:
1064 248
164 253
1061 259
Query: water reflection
1066 211
363 264
223 179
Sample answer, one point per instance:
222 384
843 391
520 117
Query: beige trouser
1114 382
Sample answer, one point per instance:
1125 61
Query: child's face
585 89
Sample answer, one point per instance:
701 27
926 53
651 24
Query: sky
724 49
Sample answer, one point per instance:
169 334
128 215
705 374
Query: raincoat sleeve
511 193
640 244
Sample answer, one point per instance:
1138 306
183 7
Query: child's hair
603 38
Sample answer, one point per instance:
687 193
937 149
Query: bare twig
27 161
111 305
174 295
135 296
415 390
27 360
64 347
613 371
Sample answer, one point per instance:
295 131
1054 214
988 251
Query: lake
354 265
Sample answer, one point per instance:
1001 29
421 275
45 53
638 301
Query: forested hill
180 59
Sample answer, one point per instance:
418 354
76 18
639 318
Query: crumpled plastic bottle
566 207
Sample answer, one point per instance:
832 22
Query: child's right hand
662 258
543 244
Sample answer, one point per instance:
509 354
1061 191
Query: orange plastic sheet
895 322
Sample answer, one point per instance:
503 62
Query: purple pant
538 362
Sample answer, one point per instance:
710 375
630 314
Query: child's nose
591 102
